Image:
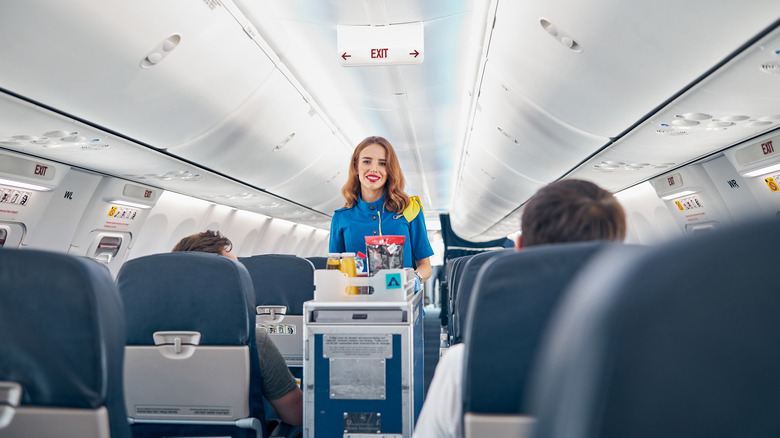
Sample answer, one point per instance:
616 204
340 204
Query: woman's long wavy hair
395 198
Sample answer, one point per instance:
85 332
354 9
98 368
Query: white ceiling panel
524 138
95 50
738 102
272 137
633 56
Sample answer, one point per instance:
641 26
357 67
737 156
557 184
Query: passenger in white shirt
564 211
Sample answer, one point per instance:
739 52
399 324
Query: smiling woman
376 204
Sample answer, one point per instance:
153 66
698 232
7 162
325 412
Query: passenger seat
680 340
62 336
191 364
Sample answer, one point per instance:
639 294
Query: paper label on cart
357 346
357 379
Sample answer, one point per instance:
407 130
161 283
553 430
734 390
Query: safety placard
357 346
772 182
278 329
689 203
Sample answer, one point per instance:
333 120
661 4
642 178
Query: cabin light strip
128 203
678 194
762 170
23 185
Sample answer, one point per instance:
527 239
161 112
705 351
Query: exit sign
380 45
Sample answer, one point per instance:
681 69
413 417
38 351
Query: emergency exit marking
767 148
381 45
772 183
40 170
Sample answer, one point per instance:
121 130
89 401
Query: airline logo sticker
771 182
393 281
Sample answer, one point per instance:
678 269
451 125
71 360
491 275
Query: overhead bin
731 105
277 142
613 86
203 64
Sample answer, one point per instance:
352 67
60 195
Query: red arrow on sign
415 53
345 56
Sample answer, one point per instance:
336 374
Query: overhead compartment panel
602 65
159 72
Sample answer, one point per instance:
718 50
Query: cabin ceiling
245 103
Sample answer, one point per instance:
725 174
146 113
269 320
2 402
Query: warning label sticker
772 183
217 411
357 346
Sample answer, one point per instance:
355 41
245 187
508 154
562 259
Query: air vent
505 134
771 68
284 142
612 166
670 132
161 51
181 175
562 38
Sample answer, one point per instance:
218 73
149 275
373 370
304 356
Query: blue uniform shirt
350 226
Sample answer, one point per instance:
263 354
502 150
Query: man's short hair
207 241
572 210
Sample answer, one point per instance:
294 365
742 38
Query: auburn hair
395 198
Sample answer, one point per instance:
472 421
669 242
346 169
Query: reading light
23 185
762 170
678 194
129 204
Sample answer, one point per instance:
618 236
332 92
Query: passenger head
572 210
207 241
394 183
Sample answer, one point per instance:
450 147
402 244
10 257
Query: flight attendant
377 205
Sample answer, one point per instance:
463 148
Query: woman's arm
424 269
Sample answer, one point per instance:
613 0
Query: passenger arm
289 407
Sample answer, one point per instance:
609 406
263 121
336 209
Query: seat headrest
281 279
62 332
190 291
514 297
674 340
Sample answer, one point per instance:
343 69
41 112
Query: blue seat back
281 279
62 333
319 262
675 340
454 269
193 291
468 276
514 296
